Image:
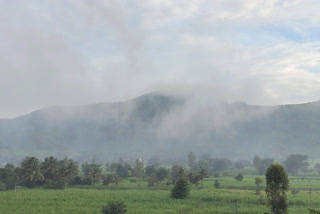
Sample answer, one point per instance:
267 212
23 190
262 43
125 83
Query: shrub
239 177
114 207
216 184
181 189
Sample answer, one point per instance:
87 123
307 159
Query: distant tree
95 172
192 161
152 180
296 162
9 166
177 172
181 189
277 184
2 186
50 168
261 165
258 182
149 170
194 178
239 177
8 177
31 171
219 164
111 178
317 166
238 165
92 170
203 174
161 174
203 165
256 161
71 169
138 168
114 207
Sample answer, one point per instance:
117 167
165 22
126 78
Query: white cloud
71 52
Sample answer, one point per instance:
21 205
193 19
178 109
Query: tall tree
31 171
138 168
277 185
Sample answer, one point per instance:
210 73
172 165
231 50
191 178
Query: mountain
162 126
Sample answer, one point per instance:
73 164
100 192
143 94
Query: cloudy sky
71 52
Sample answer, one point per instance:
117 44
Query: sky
75 52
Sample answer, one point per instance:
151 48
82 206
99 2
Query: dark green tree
239 177
8 177
181 189
31 172
161 174
277 184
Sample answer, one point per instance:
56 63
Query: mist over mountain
162 126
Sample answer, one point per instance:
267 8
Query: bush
216 184
114 207
181 189
239 177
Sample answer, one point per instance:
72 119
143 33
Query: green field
140 198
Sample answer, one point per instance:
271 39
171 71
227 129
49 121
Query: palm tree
31 170
50 168
95 172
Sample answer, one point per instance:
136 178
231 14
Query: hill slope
161 125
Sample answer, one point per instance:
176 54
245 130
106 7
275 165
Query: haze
79 52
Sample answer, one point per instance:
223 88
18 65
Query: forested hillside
159 126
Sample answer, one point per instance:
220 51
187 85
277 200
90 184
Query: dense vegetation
217 185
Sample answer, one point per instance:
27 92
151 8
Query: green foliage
138 168
9 166
219 164
8 177
277 185
149 170
31 172
239 177
177 172
261 165
114 207
181 189
217 184
2 186
152 180
162 173
296 162
313 211
238 165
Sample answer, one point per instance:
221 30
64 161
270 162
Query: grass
140 198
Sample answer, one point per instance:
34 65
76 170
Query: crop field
140 198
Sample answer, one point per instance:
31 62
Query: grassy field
140 198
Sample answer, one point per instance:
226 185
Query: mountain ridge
162 125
